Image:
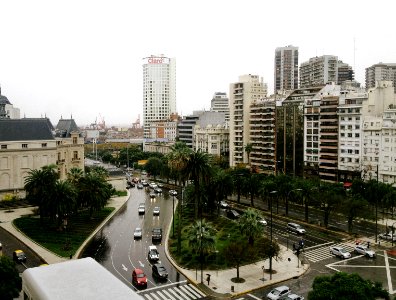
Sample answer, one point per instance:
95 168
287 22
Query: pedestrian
208 278
368 244
294 246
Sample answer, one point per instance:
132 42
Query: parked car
139 279
172 193
156 211
156 235
153 253
296 228
137 234
233 214
142 208
340 252
19 256
294 297
361 249
280 292
224 204
158 190
159 271
387 236
140 186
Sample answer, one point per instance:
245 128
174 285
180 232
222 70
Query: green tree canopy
10 281
344 286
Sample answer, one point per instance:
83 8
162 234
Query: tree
248 150
330 197
344 286
10 281
236 253
154 166
39 185
354 206
198 169
250 226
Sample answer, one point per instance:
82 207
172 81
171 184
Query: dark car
130 184
159 271
156 235
19 256
233 214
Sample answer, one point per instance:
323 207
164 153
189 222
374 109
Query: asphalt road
116 249
10 244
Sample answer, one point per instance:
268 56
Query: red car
139 278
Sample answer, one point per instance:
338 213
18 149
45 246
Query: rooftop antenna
354 54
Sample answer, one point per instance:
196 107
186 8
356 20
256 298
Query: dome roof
4 100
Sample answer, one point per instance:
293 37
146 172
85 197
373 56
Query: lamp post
270 266
173 213
287 200
392 232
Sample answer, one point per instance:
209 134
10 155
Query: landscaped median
63 238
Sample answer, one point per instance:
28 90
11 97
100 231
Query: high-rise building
242 94
324 69
286 68
380 71
159 90
221 103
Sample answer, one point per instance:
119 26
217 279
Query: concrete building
286 68
221 103
7 110
242 94
159 90
262 136
185 128
211 134
350 133
165 130
69 147
378 135
324 69
290 130
25 145
381 72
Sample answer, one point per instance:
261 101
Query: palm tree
198 169
63 200
39 185
177 162
248 150
201 240
250 226
94 192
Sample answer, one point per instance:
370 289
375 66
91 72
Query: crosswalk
322 253
175 292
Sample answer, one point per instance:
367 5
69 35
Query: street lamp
392 232
270 266
173 213
287 200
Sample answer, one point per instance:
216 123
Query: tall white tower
159 90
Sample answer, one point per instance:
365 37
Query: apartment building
324 69
286 68
381 72
262 136
212 139
242 93
221 103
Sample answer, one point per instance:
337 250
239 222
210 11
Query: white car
280 292
340 252
172 193
156 211
142 208
137 234
294 297
153 253
295 228
224 204
387 236
261 220
361 249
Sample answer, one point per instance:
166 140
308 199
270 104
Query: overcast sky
84 58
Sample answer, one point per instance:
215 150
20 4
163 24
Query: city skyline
84 59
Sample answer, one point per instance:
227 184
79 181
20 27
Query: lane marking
388 275
253 296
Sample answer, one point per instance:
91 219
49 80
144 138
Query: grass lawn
55 238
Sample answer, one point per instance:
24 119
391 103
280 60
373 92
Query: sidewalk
221 284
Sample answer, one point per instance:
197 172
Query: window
3 146
74 140
44 145
24 145
75 154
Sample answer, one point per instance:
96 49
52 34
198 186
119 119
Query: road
116 249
